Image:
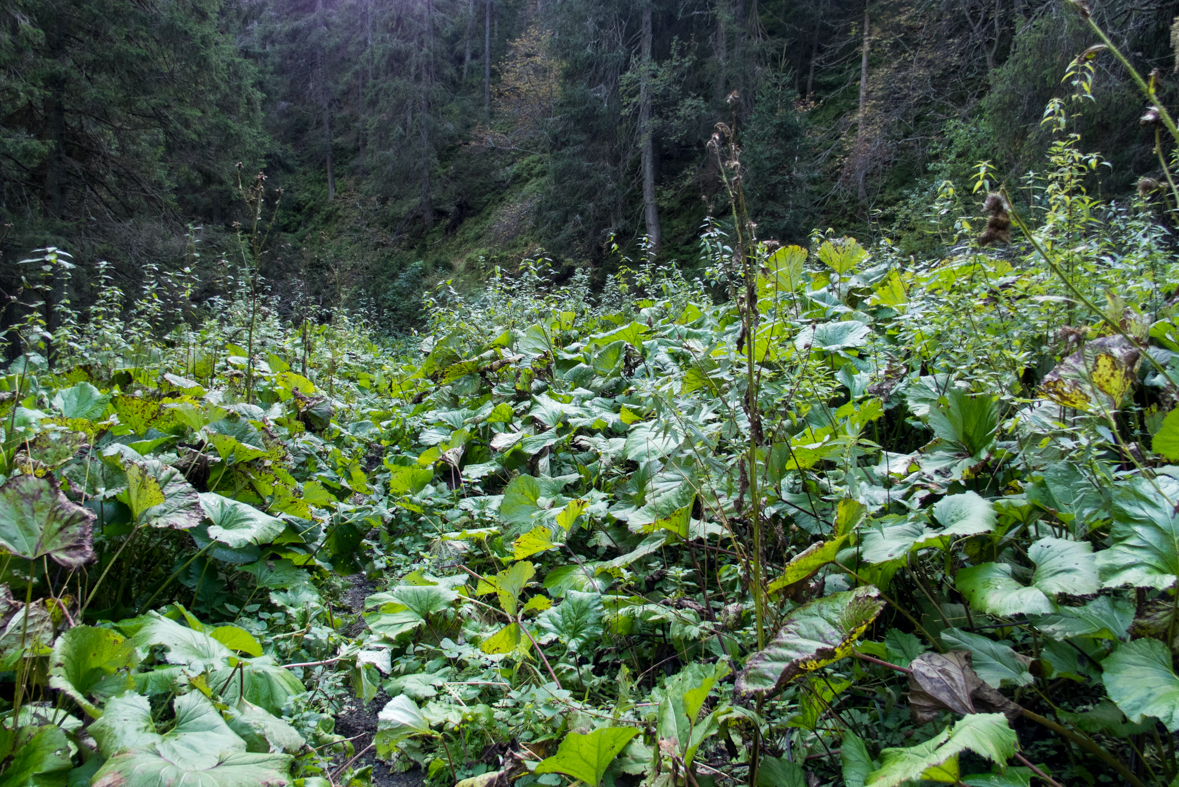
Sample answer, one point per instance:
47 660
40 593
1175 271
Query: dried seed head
999 224
1148 186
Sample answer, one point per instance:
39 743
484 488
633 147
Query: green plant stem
1158 149
1045 777
106 571
1146 89
1039 247
176 573
22 673
1086 743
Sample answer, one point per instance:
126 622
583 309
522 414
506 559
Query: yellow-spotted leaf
538 539
807 562
811 636
509 639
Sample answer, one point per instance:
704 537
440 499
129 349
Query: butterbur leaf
265 683
200 749
186 646
833 336
985 734
536 540
1064 566
36 520
1102 372
1166 439
1141 681
510 582
90 661
159 496
964 514
521 500
965 420
842 255
509 639
995 662
576 621
398 720
81 401
262 731
1145 535
990 588
807 562
43 759
237 524
779 772
586 757
856 761
811 636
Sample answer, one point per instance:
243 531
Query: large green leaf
985 734
1145 535
576 621
1140 679
36 520
159 496
200 750
965 420
964 514
237 524
811 636
833 336
997 663
586 757
196 766
1166 439
1061 567
81 401
186 646
41 758
90 661
990 588
521 500
263 680
263 731
398 720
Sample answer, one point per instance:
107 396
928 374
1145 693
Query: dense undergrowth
861 520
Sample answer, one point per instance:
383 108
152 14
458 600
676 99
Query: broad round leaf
965 514
985 734
813 635
1140 679
237 524
36 520
86 662
586 757
1145 550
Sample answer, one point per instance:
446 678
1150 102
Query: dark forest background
421 140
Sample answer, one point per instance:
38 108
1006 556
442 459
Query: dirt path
358 721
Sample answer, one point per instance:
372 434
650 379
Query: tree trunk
739 66
861 118
467 37
721 52
427 76
810 77
487 60
325 97
646 144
